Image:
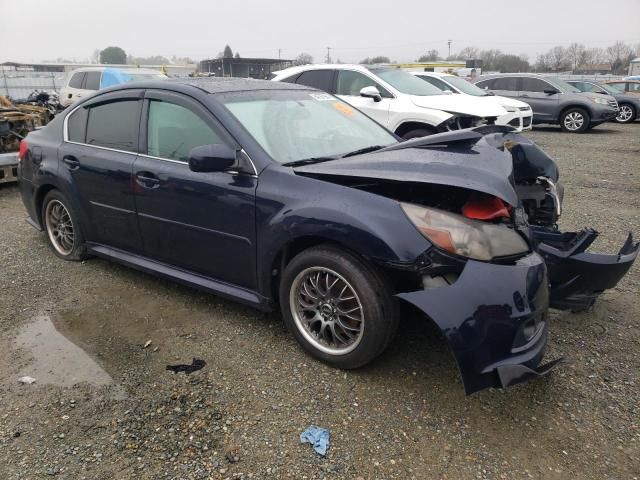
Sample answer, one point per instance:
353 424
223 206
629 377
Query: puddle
57 360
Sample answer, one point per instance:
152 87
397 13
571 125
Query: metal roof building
259 68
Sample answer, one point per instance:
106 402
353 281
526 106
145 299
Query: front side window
173 130
436 82
114 125
465 86
320 79
351 82
76 80
296 125
534 85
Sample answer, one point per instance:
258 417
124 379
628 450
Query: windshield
297 125
562 85
406 83
464 86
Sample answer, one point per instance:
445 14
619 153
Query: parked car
628 87
271 193
552 100
404 104
84 81
519 114
628 105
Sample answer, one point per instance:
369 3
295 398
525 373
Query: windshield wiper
372 148
308 161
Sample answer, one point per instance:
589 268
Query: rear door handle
71 162
147 180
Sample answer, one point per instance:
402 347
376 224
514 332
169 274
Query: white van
83 81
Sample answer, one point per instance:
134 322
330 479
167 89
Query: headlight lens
509 109
601 101
462 236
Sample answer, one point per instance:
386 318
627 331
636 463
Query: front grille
515 122
614 104
526 121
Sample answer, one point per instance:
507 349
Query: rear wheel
626 113
338 308
62 227
575 120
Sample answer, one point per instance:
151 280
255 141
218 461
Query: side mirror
602 92
551 91
371 92
211 158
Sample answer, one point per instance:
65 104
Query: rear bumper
484 316
8 167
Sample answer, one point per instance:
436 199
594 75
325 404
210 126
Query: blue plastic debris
317 437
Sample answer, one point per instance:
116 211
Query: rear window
76 80
114 125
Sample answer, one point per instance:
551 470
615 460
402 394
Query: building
634 66
260 68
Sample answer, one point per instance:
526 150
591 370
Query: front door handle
147 180
71 162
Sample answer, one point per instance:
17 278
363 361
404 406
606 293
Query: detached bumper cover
483 316
576 276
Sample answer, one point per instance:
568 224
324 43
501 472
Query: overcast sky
34 30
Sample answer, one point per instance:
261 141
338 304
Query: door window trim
521 83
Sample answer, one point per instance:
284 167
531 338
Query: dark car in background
552 100
628 105
272 193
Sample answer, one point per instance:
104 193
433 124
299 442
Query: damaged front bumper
576 276
494 318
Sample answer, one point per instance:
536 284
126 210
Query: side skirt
163 270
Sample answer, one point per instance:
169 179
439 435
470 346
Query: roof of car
231 84
523 74
622 81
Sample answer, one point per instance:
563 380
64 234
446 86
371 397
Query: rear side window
114 125
534 85
92 81
488 84
320 79
76 80
77 126
174 130
436 82
505 83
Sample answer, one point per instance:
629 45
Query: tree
237 55
95 56
430 56
511 64
303 59
113 55
374 60
468 53
228 53
620 55
489 59
576 54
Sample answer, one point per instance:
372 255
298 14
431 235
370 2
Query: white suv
406 105
84 81
519 114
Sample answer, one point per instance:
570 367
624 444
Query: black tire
571 118
627 113
417 133
77 250
379 308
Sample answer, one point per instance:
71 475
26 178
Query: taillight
23 150
482 207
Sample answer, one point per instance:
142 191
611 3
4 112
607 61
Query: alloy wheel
327 310
59 227
573 121
624 114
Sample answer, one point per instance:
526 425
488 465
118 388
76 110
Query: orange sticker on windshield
341 107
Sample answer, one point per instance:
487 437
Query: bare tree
375 60
619 51
559 58
430 56
489 59
468 53
303 59
575 52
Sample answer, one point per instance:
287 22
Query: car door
202 222
96 159
537 93
348 86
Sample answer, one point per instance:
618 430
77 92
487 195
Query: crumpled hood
478 166
461 104
506 101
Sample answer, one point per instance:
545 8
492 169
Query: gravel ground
103 405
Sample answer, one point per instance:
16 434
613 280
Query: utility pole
449 42
328 54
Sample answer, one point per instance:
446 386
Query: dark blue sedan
277 194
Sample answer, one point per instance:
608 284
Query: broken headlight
462 236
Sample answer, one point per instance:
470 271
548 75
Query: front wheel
575 120
626 113
338 308
62 227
